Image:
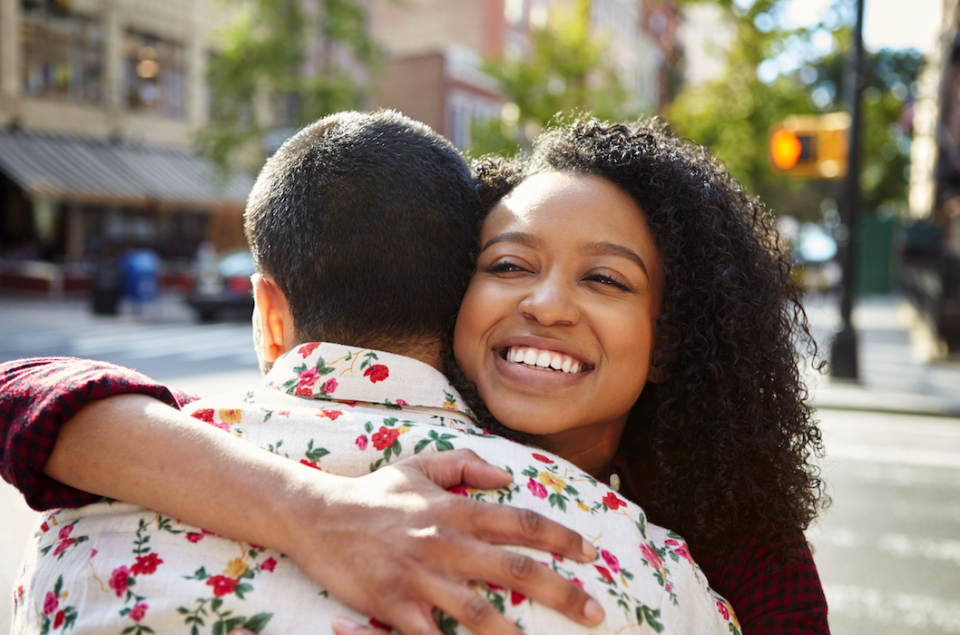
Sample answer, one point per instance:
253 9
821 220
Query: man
375 212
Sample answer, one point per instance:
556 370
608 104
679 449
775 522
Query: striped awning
100 171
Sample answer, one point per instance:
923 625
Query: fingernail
345 624
593 612
589 550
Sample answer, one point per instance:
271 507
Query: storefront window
153 75
62 52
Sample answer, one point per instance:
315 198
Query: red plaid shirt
38 396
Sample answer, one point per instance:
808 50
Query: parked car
222 287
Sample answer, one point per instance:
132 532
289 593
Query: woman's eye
503 267
607 280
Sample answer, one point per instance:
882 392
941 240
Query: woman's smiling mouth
543 359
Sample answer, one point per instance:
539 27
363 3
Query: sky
886 23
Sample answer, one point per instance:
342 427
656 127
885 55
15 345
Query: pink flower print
118 580
283 413
146 565
603 572
58 620
542 458
577 581
306 349
330 386
138 612
62 546
536 488
269 564
307 378
362 442
50 603
65 532
671 542
459 490
651 556
377 372
611 560
329 414
683 552
93 553
557 556
612 502
400 402
723 610
194 537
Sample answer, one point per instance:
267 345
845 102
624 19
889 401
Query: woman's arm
356 537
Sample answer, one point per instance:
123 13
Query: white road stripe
921 612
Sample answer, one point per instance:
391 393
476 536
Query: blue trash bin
141 273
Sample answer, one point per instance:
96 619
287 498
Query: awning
99 171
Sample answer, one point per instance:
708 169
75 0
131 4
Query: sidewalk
900 367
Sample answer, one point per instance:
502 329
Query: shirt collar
334 372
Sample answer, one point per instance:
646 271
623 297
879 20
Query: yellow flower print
449 405
582 506
235 568
402 429
230 415
553 481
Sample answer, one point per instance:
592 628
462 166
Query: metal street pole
843 353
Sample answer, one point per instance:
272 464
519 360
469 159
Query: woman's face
557 327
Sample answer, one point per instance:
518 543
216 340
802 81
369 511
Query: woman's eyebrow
613 249
522 238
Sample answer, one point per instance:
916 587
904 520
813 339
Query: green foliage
733 116
275 67
565 72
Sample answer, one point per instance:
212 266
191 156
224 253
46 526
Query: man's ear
276 321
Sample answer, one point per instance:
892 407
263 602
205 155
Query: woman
719 449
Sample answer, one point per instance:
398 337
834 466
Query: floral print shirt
112 567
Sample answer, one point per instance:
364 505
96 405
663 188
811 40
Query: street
888 549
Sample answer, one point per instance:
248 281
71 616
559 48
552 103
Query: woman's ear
272 312
653 373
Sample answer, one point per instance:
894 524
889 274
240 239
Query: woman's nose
549 302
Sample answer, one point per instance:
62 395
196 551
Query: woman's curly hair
727 437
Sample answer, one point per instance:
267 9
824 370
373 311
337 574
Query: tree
276 67
565 73
733 116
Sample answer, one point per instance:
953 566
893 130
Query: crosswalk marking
915 611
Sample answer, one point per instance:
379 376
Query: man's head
361 226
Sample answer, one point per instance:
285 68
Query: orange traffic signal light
812 147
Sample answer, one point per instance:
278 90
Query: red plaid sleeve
37 396
770 598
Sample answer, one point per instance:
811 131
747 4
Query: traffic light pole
843 353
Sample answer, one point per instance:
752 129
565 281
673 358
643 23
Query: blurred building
434 51
931 272
706 36
99 104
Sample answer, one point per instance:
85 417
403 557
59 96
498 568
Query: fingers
469 609
447 469
533 580
346 626
505 525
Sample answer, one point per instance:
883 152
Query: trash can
141 272
105 287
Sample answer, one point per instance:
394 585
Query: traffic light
810 146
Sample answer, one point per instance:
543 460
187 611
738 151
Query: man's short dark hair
366 222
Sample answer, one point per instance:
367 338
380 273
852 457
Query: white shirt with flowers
121 569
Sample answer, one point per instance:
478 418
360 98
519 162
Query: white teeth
542 359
